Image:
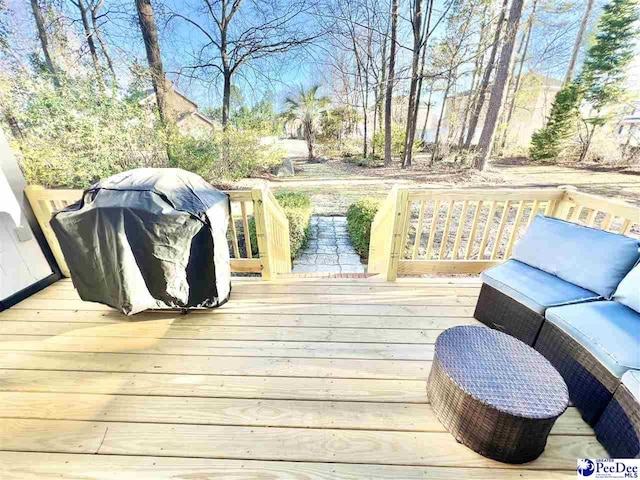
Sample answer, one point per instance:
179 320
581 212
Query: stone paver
328 249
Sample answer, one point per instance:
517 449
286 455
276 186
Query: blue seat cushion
590 258
609 330
534 288
628 292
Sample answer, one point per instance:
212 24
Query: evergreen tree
601 82
549 141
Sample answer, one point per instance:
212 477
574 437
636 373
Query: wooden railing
466 231
270 256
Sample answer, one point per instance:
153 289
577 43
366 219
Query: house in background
628 130
533 104
189 119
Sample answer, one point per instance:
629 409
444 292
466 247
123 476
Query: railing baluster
474 228
503 221
514 232
234 236
591 217
461 223
626 226
606 223
445 232
416 243
551 205
432 230
245 227
534 212
575 215
487 230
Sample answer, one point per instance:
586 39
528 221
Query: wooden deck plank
260 366
170 330
243 319
256 348
306 378
372 308
221 386
36 466
273 443
238 411
66 290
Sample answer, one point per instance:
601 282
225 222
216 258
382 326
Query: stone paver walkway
329 249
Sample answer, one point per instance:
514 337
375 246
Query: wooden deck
301 379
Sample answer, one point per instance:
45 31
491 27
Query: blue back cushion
628 292
587 257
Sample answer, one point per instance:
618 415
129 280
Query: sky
279 75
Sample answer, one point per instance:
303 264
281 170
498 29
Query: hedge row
359 218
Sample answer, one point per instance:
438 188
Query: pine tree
601 82
549 141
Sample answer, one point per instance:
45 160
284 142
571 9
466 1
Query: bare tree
233 37
88 33
578 43
150 36
486 78
94 8
390 82
498 89
418 37
44 42
518 77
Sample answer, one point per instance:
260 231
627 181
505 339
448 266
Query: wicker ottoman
495 394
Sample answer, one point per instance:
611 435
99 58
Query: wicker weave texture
619 426
591 385
499 311
494 394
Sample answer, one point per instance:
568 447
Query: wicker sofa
574 294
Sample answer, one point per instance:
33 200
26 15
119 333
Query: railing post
262 233
563 206
400 219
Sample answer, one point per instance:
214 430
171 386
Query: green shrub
204 155
73 137
297 208
369 162
359 218
397 141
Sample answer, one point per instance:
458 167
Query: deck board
308 379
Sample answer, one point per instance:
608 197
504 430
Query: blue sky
283 73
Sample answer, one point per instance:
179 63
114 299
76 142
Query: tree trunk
226 98
477 68
416 23
523 58
499 84
92 45
484 85
308 134
44 43
585 149
390 82
426 117
152 46
414 124
444 104
578 43
383 79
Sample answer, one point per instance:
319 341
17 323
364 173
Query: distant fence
257 206
466 231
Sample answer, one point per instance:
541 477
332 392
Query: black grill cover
148 238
